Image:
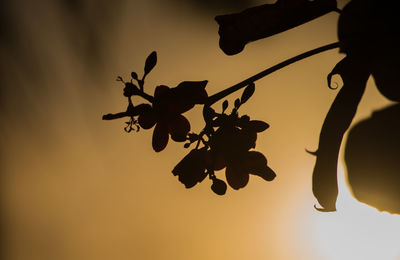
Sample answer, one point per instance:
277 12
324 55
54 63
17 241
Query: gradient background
76 187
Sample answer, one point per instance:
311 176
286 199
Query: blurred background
76 187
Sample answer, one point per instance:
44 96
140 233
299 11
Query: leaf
248 92
257 126
134 75
238 29
151 61
224 105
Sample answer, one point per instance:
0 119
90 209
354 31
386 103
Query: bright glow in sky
76 188
356 231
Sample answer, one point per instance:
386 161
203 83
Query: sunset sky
76 187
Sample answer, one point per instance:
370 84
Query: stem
146 96
220 95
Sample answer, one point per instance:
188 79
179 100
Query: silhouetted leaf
224 105
134 75
218 187
191 169
257 126
151 61
236 30
247 93
186 145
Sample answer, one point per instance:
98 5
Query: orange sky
76 187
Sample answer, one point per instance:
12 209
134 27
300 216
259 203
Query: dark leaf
247 93
134 75
224 105
151 61
218 187
186 145
236 30
160 137
257 126
191 169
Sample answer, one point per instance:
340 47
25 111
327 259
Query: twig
220 95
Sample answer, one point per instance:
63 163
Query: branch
220 95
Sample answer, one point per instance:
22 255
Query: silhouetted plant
367 35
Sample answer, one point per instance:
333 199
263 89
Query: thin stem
220 95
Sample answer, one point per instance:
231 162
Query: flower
228 147
166 112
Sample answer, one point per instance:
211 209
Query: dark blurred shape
368 30
336 123
372 157
369 36
191 169
215 6
238 29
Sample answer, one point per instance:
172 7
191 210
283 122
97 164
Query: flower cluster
165 110
226 142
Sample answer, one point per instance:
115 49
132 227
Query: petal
160 137
161 90
142 108
176 107
256 164
179 127
191 169
193 92
147 119
236 176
